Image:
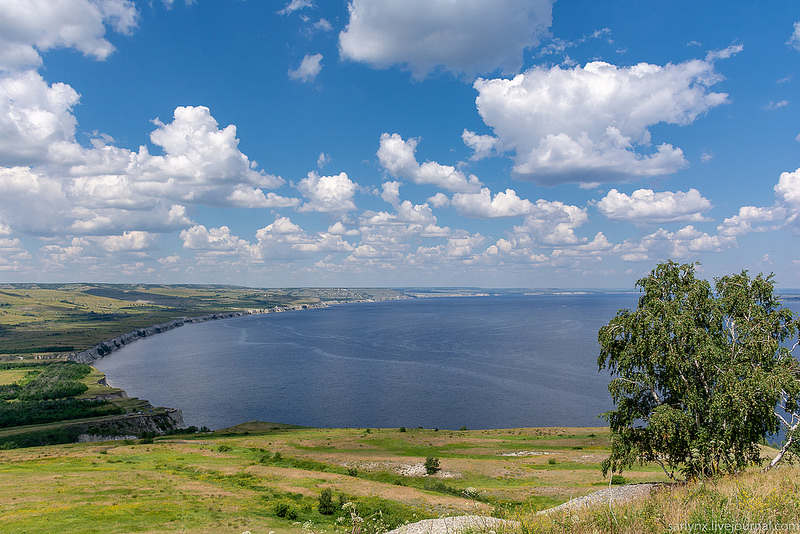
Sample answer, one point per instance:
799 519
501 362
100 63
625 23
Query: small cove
479 362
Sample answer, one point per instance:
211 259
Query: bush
432 465
325 504
285 510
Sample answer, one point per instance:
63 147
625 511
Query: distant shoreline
105 348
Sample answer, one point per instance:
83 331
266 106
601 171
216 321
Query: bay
475 362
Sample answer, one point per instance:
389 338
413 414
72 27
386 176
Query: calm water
479 362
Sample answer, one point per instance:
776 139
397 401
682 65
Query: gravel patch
453 525
457 524
615 494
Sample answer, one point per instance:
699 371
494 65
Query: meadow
264 477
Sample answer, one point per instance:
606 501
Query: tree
699 377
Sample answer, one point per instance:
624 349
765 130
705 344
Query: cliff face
107 347
128 426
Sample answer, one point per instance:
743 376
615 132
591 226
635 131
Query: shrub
285 510
325 504
432 465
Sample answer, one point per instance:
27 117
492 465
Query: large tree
699 375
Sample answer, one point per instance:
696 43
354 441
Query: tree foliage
697 373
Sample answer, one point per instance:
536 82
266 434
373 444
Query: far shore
106 347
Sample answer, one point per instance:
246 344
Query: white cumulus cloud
250 197
647 206
482 205
752 219
332 194
479 36
35 117
398 157
662 244
29 27
591 124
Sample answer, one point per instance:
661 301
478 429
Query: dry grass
751 502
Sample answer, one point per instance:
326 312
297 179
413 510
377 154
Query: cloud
776 105
52 184
551 223
662 244
247 197
794 40
398 157
479 36
13 255
482 205
285 239
390 192
785 212
788 189
295 5
647 206
128 241
322 25
591 124
35 118
331 194
481 145
752 219
456 248
438 200
198 152
407 213
29 27
216 240
308 69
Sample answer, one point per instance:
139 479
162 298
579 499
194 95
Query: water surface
479 362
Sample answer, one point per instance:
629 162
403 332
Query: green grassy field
236 480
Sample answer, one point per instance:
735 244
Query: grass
236 479
750 502
266 477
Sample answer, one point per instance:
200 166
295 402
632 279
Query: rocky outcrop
145 423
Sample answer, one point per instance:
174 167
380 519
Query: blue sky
495 143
